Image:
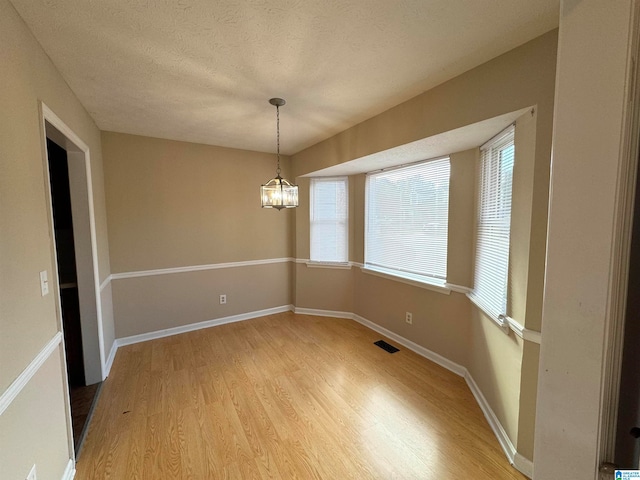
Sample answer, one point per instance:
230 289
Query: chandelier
278 193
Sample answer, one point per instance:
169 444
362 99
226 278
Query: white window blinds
407 220
329 200
494 224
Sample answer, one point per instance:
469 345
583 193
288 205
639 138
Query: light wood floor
285 396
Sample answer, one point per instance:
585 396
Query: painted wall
528 397
34 431
449 324
593 63
29 321
495 363
462 215
175 204
180 299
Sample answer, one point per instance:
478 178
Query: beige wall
495 363
35 431
528 398
324 288
184 298
521 217
302 249
176 204
29 321
440 322
462 214
449 324
356 232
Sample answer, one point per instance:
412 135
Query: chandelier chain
278 137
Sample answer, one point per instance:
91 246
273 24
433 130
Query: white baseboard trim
523 465
420 350
323 313
110 358
27 374
144 337
69 471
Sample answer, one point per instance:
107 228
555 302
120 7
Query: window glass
407 211
494 224
329 219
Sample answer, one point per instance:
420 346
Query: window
329 219
494 224
407 221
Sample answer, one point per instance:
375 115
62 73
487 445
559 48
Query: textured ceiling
203 70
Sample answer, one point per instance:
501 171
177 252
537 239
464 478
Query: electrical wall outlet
408 318
223 299
32 473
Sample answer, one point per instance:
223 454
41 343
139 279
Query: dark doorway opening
83 396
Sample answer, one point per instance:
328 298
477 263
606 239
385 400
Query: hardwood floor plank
282 397
332 441
153 446
268 466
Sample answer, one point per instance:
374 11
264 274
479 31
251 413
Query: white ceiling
202 70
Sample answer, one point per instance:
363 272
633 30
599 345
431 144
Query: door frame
621 251
79 156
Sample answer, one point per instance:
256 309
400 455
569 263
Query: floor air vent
385 346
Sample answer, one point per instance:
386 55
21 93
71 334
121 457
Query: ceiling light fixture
278 192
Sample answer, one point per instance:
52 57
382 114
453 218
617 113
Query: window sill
434 286
500 321
335 265
507 323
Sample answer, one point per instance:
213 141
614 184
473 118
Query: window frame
425 280
345 221
494 303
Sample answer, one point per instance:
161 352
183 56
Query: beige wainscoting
149 303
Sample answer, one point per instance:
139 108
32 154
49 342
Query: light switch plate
44 283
